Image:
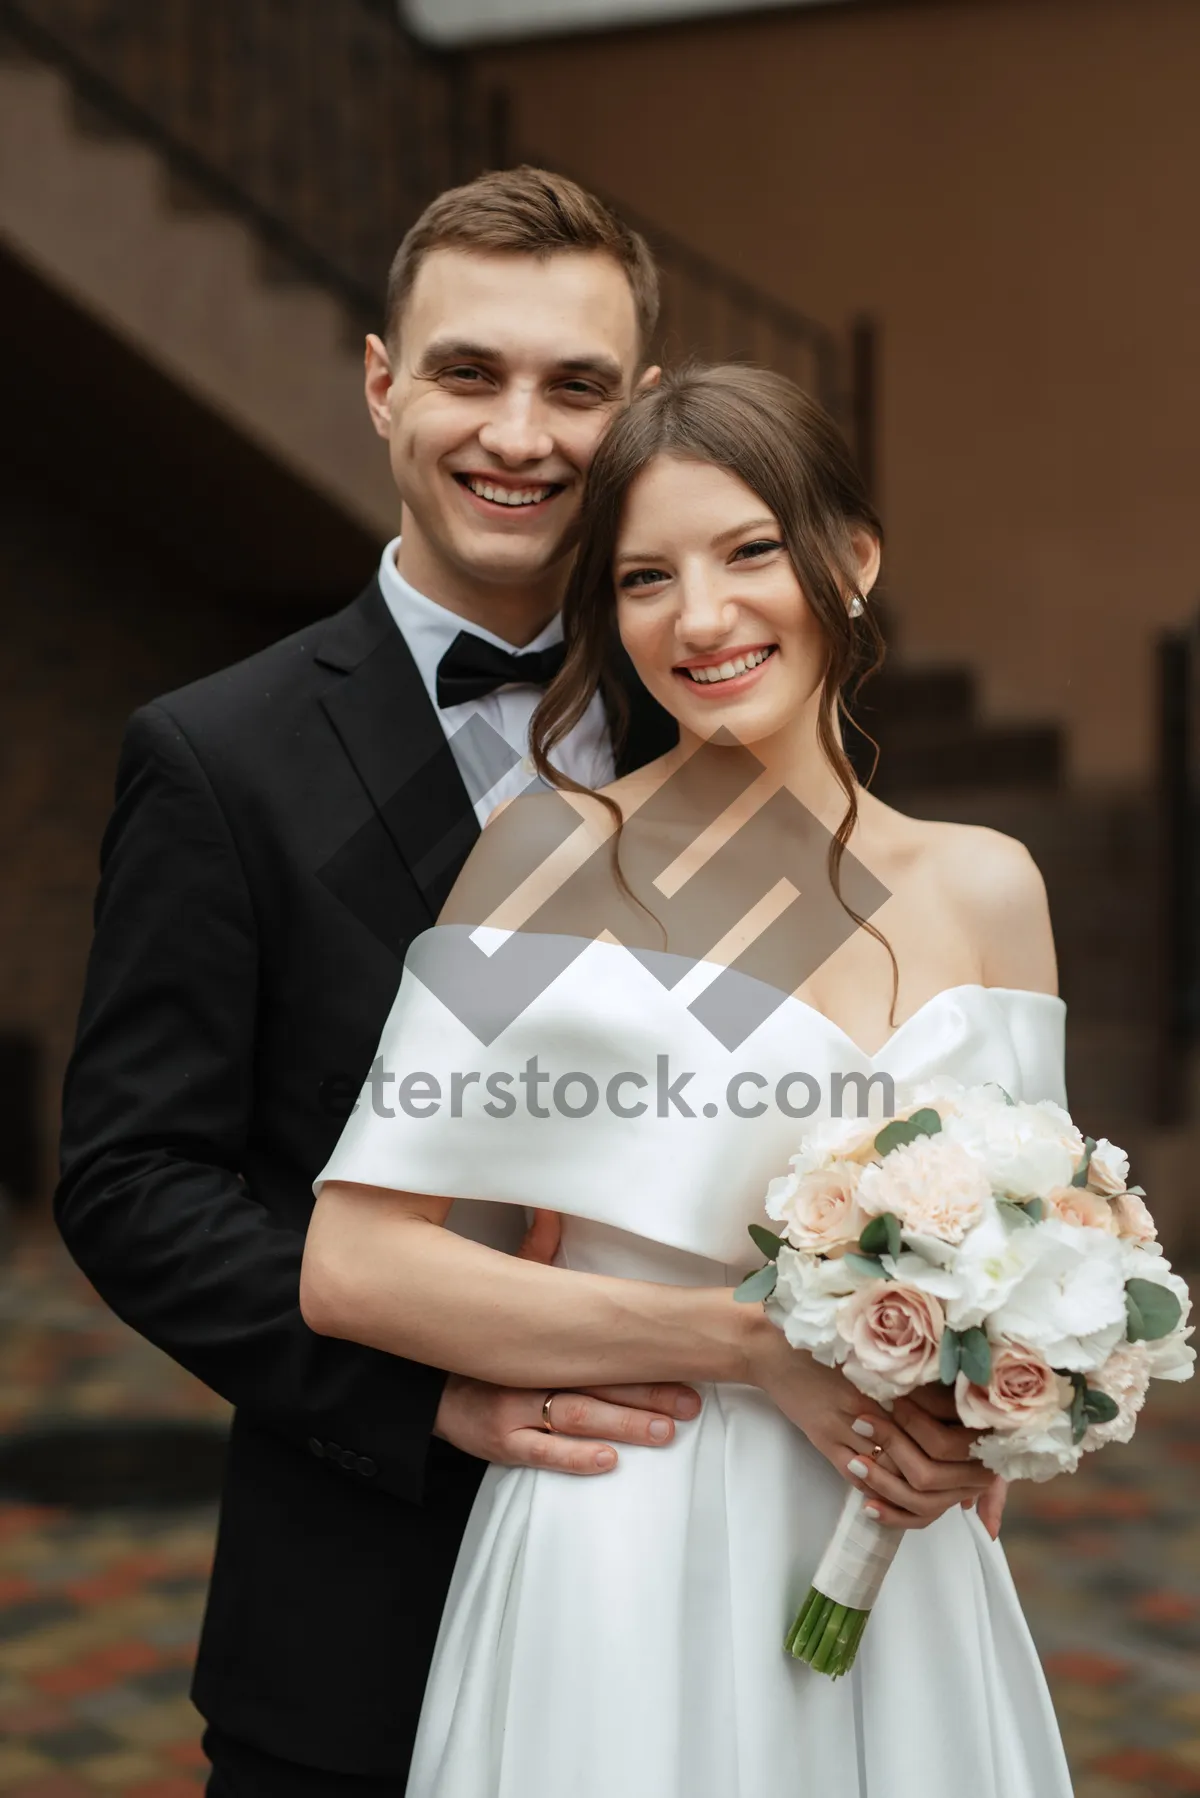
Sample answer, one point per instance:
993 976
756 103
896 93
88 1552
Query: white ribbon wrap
859 1553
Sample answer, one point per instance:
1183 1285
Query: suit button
333 1450
316 1448
349 1460
367 1467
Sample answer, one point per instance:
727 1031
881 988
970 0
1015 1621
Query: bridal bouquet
988 1245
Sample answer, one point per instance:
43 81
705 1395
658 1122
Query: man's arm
157 1107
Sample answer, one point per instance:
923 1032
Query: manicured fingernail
660 1429
870 1511
859 1469
862 1426
605 1457
687 1404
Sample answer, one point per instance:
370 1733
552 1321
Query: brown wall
1010 186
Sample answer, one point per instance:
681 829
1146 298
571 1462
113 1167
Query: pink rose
894 1333
819 1211
1132 1218
934 1186
1076 1205
1023 1393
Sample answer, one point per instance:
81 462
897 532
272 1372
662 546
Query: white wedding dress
621 1636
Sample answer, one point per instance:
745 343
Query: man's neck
515 613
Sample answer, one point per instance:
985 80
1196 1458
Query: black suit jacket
282 830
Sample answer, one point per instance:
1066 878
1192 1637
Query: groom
282 831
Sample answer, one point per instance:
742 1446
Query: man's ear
649 377
377 384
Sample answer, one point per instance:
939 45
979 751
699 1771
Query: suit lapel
391 732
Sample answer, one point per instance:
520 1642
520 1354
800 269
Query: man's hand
504 1423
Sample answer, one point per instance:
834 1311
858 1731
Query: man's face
504 376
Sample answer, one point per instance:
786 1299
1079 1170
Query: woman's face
708 604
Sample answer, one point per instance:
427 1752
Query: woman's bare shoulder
996 888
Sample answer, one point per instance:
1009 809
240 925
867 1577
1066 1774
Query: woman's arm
379 1268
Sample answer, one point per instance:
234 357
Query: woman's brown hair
788 451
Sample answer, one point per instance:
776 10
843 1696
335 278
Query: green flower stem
820 1660
826 1635
803 1616
811 1626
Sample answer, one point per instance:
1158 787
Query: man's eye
643 577
762 546
583 390
465 373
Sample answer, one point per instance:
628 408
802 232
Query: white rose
1024 1149
1069 1302
1125 1377
805 1302
1037 1455
819 1210
933 1186
1108 1169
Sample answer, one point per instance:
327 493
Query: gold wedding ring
877 1449
546 1420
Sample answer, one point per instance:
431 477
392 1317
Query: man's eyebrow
460 349
722 537
457 349
603 366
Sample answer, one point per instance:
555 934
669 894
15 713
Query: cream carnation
1023 1393
1035 1454
893 1334
1125 1377
836 1139
933 1186
819 1211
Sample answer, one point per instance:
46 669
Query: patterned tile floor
98 1613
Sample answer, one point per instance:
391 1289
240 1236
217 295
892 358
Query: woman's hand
904 1483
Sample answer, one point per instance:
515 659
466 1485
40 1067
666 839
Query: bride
634 1006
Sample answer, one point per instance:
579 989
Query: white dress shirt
429 629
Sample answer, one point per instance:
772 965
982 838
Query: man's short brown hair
524 212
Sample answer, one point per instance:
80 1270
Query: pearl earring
856 606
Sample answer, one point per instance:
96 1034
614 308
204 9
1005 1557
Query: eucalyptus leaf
975 1357
1098 1407
1035 1211
1158 1310
1013 1214
870 1265
765 1240
1079 1177
882 1236
1078 1419
902 1131
948 1358
1139 1192
758 1285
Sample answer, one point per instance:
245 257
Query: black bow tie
472 667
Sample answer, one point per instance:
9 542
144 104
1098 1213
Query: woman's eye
762 546
642 577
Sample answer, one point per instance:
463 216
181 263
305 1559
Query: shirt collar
429 628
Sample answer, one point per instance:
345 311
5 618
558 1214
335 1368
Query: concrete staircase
190 290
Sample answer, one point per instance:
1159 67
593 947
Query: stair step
998 756
897 695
